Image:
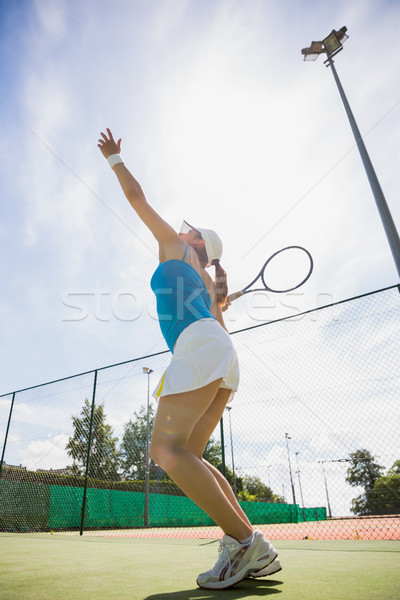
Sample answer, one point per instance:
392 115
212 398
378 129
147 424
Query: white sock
247 540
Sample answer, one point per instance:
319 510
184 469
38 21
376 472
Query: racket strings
286 270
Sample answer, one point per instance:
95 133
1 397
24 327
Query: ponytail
221 282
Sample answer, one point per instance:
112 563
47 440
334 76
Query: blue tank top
182 298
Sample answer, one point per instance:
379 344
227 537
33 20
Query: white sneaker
270 569
236 561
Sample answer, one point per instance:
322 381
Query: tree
395 468
363 505
256 491
377 497
213 455
104 456
364 471
133 447
386 494
384 498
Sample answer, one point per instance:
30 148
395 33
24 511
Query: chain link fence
310 443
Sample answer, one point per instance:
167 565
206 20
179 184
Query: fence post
88 454
8 427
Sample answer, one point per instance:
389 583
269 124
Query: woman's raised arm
161 230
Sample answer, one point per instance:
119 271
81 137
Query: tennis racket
284 271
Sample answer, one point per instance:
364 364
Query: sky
222 123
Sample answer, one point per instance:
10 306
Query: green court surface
69 567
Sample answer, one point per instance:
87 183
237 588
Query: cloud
52 18
46 454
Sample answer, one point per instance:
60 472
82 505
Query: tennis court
366 528
65 567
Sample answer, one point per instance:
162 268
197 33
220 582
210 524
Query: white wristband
115 159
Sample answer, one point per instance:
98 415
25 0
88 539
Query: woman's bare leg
198 442
176 418
226 488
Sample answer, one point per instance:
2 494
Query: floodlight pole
290 467
298 474
383 209
326 488
380 200
229 408
147 372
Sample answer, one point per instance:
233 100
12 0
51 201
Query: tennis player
199 381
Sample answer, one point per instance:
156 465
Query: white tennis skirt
202 353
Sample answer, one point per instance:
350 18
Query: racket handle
235 296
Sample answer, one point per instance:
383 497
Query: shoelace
223 555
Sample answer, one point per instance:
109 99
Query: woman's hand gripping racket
284 271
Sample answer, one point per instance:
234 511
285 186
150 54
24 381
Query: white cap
213 243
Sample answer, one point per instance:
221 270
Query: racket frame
266 288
